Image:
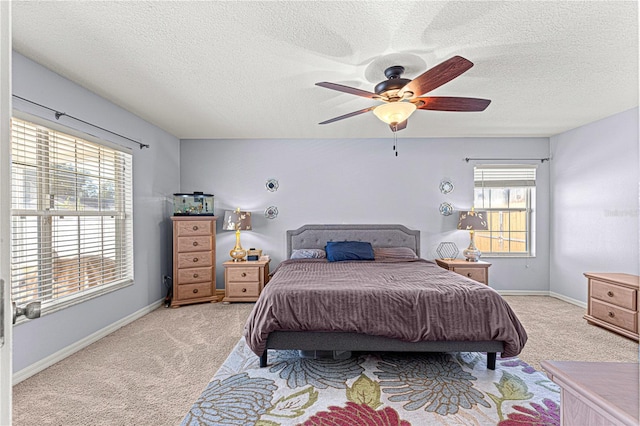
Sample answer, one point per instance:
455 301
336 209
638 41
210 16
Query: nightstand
478 271
244 281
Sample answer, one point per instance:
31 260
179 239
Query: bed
388 304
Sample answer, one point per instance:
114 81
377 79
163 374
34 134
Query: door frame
6 372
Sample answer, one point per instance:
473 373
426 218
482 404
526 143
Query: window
71 208
507 194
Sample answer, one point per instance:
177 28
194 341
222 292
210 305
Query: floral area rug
375 389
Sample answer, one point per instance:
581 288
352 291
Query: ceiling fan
403 96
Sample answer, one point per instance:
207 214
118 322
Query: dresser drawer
194 275
615 315
243 274
193 291
194 227
189 244
614 294
195 259
240 289
476 274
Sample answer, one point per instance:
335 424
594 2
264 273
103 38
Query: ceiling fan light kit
404 96
393 113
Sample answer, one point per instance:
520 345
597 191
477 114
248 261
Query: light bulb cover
394 112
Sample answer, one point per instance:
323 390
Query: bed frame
316 236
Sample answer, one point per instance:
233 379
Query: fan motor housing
394 82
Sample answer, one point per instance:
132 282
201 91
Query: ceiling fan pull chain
395 140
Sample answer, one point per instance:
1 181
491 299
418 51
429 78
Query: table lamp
235 220
472 221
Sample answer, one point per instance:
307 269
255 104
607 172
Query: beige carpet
151 371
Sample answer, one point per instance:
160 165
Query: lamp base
238 253
471 253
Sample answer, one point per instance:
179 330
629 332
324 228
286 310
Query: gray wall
155 176
594 221
360 181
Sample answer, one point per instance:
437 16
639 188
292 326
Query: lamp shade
394 112
473 220
235 220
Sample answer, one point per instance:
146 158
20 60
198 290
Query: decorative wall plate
271 212
446 209
272 185
446 186
447 250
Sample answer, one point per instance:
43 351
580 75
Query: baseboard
37 367
542 293
568 299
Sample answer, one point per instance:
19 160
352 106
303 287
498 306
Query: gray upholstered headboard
316 236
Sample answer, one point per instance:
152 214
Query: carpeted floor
375 389
152 370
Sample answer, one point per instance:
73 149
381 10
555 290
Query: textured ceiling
247 69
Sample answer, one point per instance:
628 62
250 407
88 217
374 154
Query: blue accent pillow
348 250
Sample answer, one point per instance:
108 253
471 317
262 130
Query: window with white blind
508 194
71 208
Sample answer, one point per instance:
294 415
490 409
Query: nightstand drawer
193 291
235 289
476 274
194 227
616 295
615 315
194 275
190 260
243 274
189 244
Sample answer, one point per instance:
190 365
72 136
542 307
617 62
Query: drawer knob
244 290
195 243
195 259
610 293
611 314
195 275
195 227
244 274
469 274
195 290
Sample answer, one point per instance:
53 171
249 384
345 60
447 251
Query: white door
5 211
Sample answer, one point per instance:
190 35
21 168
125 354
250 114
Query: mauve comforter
407 300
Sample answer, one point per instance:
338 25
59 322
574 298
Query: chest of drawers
194 261
613 302
478 271
244 281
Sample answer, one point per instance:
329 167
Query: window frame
122 215
510 181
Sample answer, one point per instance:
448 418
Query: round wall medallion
271 212
272 185
446 209
446 186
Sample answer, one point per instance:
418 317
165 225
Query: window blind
498 176
71 207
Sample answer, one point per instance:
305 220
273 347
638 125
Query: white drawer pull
610 293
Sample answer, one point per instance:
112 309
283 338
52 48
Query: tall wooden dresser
194 260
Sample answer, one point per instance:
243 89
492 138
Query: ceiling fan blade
450 103
437 76
399 126
351 114
347 89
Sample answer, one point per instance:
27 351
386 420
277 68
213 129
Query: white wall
155 176
359 181
594 202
